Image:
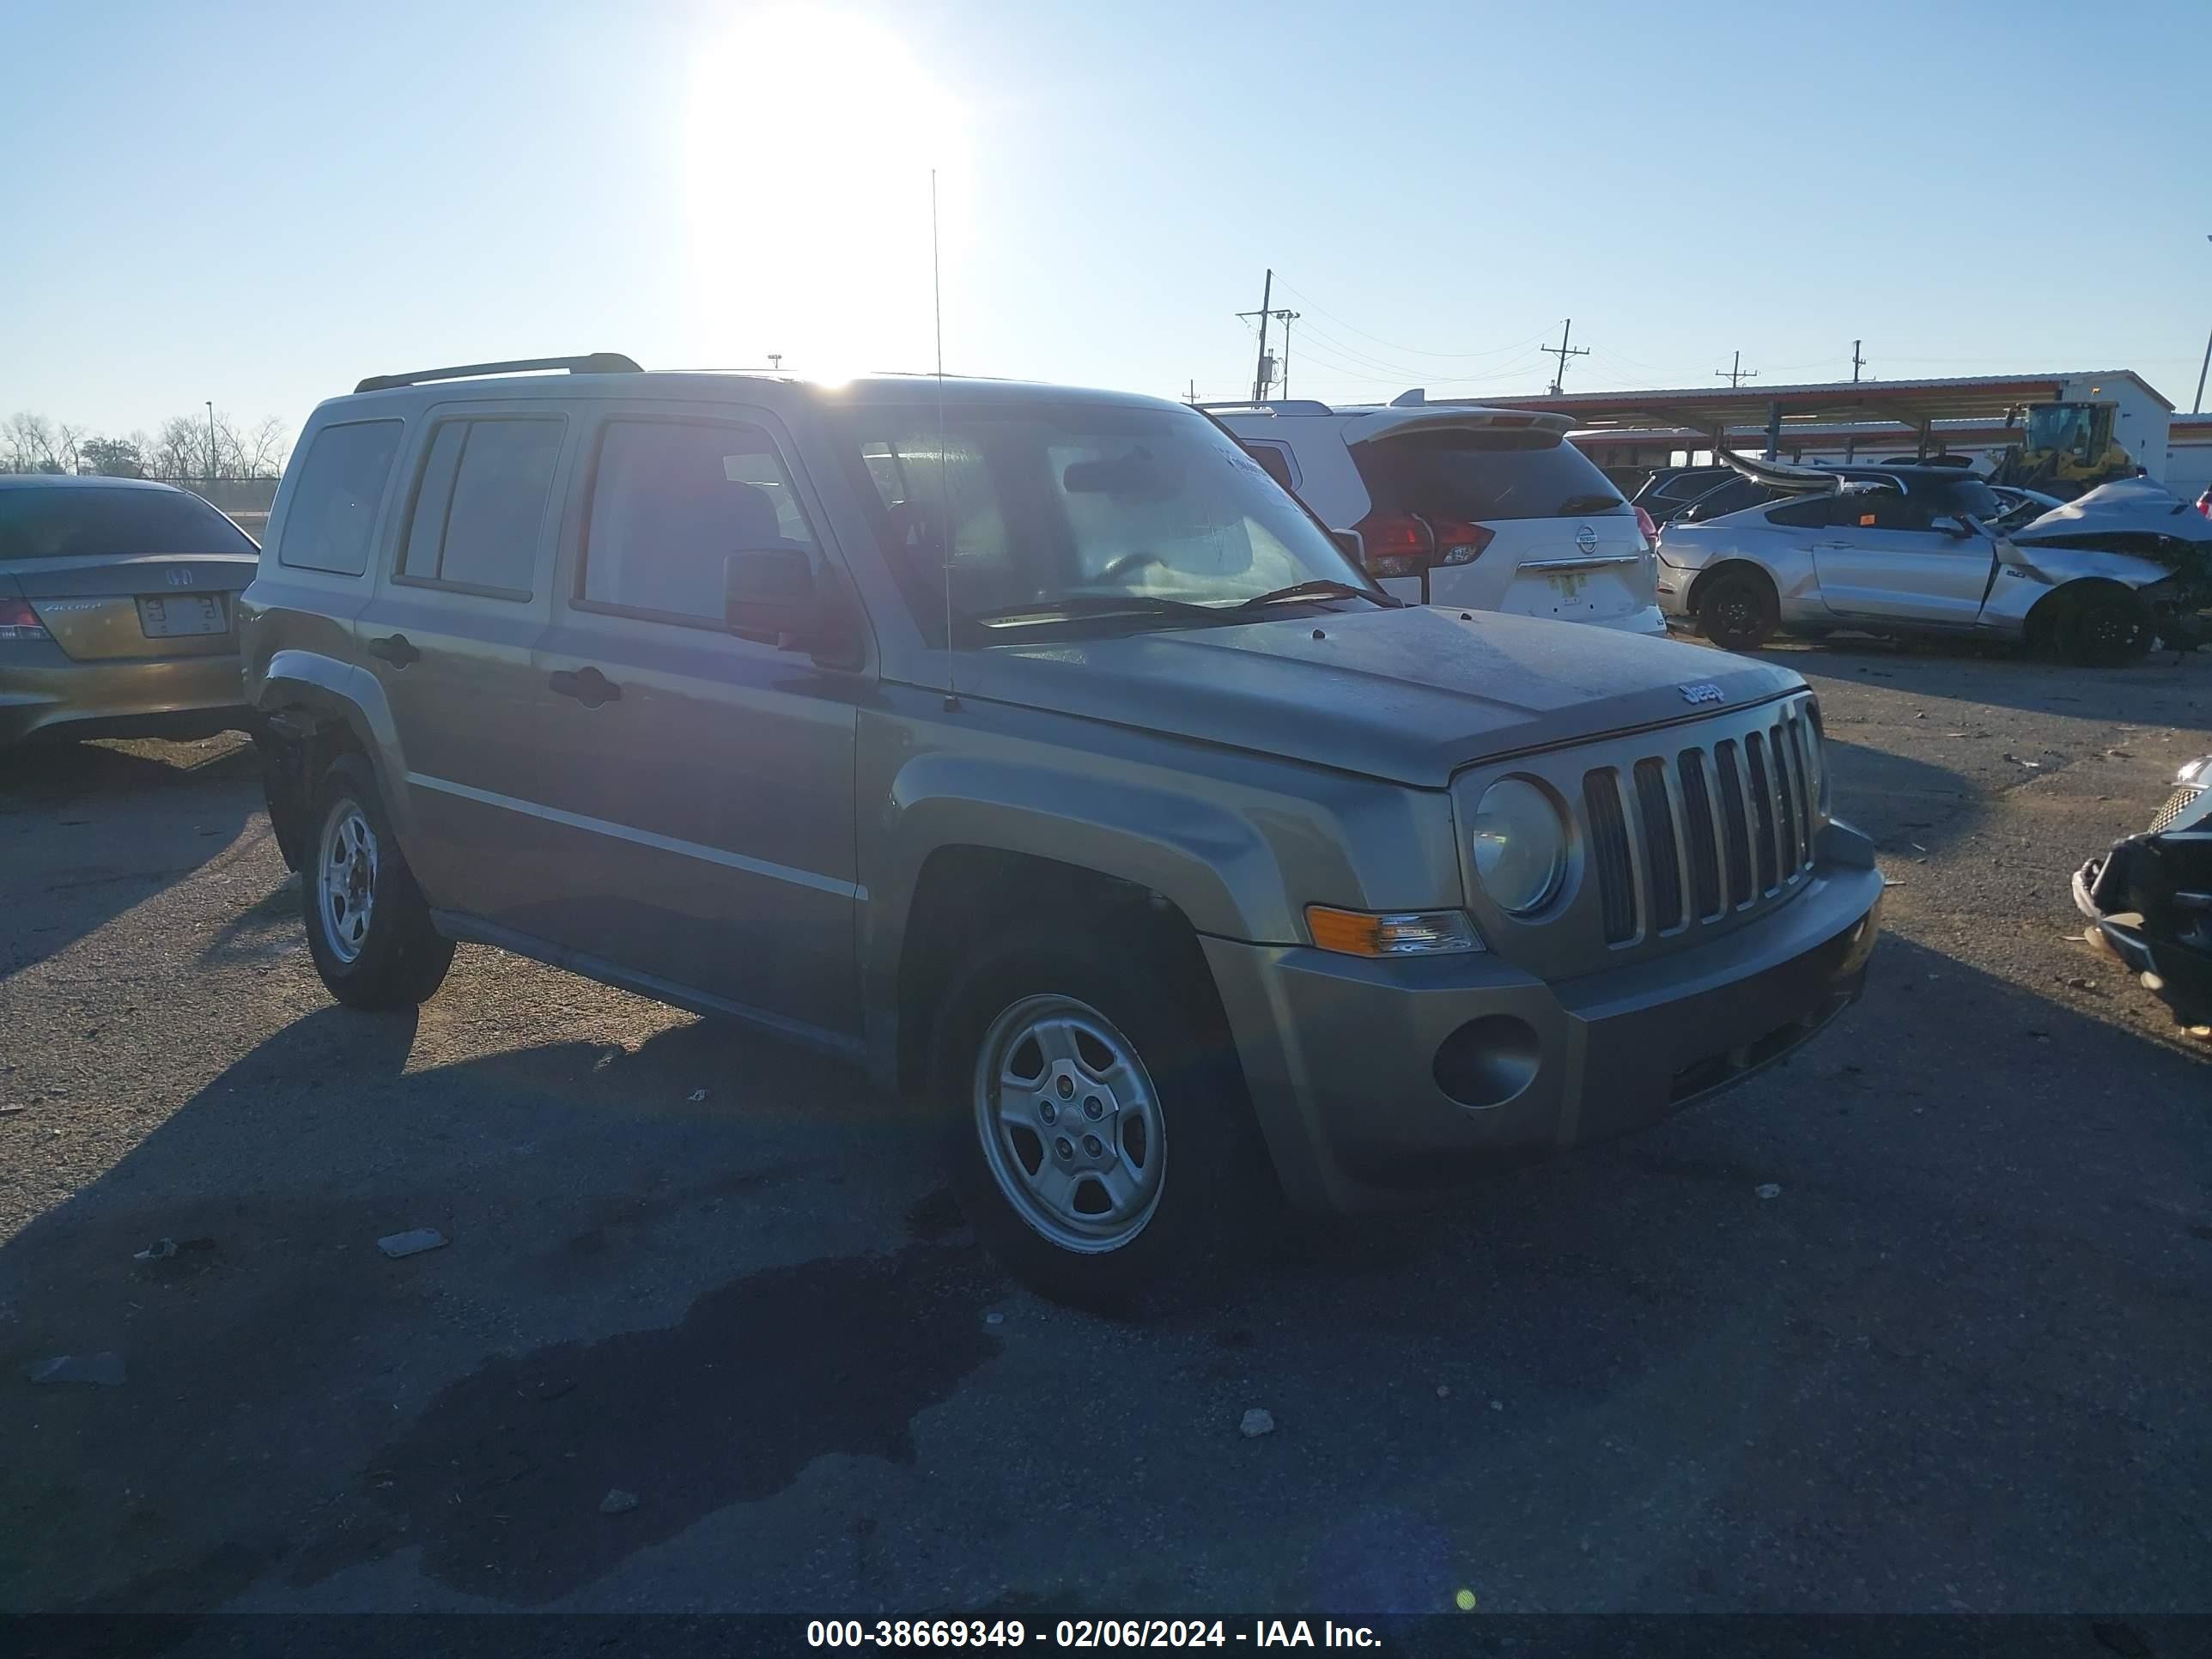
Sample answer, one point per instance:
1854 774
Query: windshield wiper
1072 605
1322 587
1592 502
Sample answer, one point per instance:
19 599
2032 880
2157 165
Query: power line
1563 352
1417 351
1736 374
1409 373
1353 372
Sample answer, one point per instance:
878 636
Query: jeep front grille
1715 830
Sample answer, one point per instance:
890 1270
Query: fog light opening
1488 1062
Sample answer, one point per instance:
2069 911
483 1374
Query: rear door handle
587 685
394 648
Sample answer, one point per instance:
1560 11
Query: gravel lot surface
1957 1361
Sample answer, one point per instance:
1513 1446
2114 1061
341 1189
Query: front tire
1737 611
368 929
1096 1117
2105 628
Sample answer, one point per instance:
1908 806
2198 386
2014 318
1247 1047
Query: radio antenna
944 479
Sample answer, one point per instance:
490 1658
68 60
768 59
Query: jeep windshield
1089 514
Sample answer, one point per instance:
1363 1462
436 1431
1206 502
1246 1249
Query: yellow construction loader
2065 449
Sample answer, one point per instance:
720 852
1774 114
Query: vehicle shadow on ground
1906 804
2164 688
88 830
565 1176
692 1301
1861 1300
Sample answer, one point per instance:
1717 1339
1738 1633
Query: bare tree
26 444
181 449
188 446
261 451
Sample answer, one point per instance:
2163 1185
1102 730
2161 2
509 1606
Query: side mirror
770 590
1350 542
1957 529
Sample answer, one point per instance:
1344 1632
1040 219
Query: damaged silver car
2148 899
2097 581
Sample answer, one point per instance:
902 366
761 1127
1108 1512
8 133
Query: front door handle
587 685
394 648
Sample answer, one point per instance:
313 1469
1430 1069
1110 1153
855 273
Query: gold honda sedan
115 616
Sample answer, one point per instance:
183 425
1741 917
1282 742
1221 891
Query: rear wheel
1096 1119
2103 627
1737 611
368 929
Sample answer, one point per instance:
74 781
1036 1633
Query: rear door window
671 500
1477 474
479 515
60 521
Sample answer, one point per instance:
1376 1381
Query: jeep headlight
1520 845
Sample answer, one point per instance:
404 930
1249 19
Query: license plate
1567 584
168 617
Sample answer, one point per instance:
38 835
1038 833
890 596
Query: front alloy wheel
1070 1124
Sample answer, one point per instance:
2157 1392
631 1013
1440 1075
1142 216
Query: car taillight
2204 503
19 622
1459 543
1396 543
1643 523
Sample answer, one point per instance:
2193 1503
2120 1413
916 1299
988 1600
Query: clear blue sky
259 203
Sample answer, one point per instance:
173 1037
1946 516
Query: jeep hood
1411 695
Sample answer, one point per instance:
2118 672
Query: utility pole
1857 361
1737 375
1263 371
1260 363
1288 317
210 408
775 363
2198 408
1562 352
1193 400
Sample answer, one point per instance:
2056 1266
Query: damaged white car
2097 579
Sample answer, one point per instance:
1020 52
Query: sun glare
810 139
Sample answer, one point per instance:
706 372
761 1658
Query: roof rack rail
595 362
1274 405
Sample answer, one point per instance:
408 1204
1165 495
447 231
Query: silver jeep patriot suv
1036 749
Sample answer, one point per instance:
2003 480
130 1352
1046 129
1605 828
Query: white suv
1457 504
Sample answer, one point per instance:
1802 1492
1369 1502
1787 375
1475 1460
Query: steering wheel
1117 568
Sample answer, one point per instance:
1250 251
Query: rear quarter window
332 515
70 522
1477 474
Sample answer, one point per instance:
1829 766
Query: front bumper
2130 899
1348 1061
43 690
